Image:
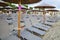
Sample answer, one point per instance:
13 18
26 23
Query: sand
5 30
53 33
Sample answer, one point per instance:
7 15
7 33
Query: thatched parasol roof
36 11
44 5
3 4
22 1
53 10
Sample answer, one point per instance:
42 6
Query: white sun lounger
49 23
52 20
36 30
29 36
27 23
41 27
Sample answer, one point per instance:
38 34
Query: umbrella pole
19 23
51 13
44 15
19 16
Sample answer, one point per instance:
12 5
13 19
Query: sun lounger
52 21
29 36
27 23
49 23
41 27
36 30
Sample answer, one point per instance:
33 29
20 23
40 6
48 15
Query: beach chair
36 30
48 23
51 20
41 27
34 21
29 36
27 23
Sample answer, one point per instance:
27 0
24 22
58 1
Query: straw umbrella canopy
19 2
53 14
3 4
36 11
5 8
11 9
43 6
52 10
22 1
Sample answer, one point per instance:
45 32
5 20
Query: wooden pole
19 16
44 15
51 13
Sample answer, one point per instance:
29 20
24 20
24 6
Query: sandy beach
53 33
4 29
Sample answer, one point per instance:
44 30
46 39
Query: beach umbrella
53 14
3 4
19 2
43 6
5 8
35 11
52 10
22 1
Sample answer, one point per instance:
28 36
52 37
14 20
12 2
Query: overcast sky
51 2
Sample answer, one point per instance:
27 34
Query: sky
51 2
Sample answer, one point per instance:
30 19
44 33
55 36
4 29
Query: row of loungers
41 27
31 32
29 36
28 33
38 28
49 23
